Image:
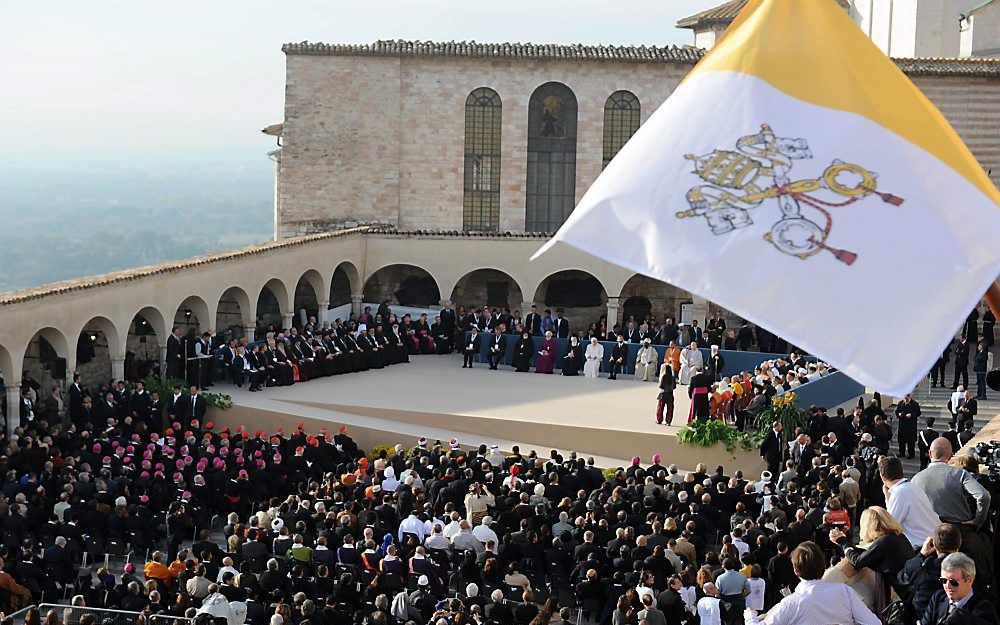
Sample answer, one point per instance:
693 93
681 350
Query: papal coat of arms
740 181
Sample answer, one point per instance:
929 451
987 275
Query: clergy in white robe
593 357
690 358
645 362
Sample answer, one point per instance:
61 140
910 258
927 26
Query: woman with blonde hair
882 553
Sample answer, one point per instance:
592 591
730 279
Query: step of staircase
934 403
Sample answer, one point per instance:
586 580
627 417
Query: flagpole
993 298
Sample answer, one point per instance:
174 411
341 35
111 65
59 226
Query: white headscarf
400 606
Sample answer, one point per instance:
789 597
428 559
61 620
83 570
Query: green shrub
713 432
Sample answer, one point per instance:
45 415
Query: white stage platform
434 396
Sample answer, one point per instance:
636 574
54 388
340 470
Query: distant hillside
68 220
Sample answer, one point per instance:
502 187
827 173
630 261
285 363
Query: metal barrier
17 618
166 619
71 615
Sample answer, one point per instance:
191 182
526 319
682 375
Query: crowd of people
538 323
319 532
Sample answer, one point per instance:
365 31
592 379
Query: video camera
988 455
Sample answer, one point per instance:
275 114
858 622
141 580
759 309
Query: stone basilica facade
503 137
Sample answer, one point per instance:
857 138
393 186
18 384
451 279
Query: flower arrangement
782 410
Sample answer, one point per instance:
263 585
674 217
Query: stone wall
381 139
402 162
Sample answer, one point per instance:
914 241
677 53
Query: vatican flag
797 178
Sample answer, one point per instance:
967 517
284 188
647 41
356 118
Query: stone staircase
934 403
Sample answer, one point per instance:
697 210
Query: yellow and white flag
799 179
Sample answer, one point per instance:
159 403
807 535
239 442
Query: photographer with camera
478 503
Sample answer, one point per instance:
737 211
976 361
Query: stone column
163 364
356 300
323 311
249 334
612 312
286 320
526 309
13 415
117 370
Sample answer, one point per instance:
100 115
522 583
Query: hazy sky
135 78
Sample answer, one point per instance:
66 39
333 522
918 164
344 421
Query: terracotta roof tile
722 14
128 275
632 54
522 51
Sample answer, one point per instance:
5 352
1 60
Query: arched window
621 120
481 204
551 192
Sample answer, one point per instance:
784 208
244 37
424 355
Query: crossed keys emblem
758 170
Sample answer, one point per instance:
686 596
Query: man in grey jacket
948 489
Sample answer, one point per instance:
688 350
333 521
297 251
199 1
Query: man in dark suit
175 355
533 322
671 603
744 336
907 413
138 402
175 405
979 366
58 561
27 410
667 333
471 346
770 448
194 407
956 603
498 347
76 399
937 371
619 356
447 315
562 325
961 363
154 412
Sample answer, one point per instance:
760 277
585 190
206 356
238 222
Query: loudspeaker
59 368
993 379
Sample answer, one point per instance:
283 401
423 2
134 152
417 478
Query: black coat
770 447
533 323
175 355
476 340
197 411
978 611
908 425
502 345
962 354
447 319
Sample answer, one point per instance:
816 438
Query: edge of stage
434 396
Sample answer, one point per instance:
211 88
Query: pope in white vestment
594 355
645 362
690 358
